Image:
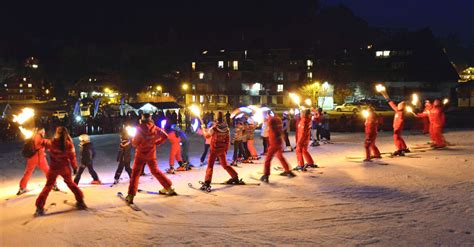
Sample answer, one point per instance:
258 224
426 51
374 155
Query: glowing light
445 101
414 99
107 90
297 111
185 86
409 109
34 66
131 131
239 115
325 86
27 134
308 102
163 123
78 118
159 88
26 113
379 88
365 113
296 99
195 110
195 124
292 112
47 91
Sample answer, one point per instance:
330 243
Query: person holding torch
437 121
147 137
371 125
398 121
220 141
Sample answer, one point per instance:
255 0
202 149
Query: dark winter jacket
87 153
125 151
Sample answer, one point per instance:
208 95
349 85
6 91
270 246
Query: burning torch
414 99
131 131
25 115
296 99
196 112
382 90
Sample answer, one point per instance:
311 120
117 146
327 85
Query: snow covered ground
424 199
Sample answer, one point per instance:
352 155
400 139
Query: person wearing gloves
87 155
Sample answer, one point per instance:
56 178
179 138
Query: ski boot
235 180
96 182
406 150
81 205
39 212
168 191
300 168
311 166
116 181
129 199
206 186
247 161
170 170
55 187
289 149
264 178
21 191
367 160
376 157
397 153
203 164
234 163
289 174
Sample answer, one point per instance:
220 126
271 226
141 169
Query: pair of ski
190 185
133 205
51 206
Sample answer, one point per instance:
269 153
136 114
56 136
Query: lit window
21 90
193 65
310 75
90 79
201 98
235 65
201 75
220 64
35 66
194 98
24 78
21 85
309 63
30 85
204 52
382 53
6 85
280 88
256 86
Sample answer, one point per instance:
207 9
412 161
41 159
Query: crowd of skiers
310 124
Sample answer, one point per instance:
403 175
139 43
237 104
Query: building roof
159 105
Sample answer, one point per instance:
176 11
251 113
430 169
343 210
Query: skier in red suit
148 136
303 132
62 155
275 125
371 125
437 121
175 151
38 159
220 142
398 120
425 120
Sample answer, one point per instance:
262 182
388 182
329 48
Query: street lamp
159 88
185 86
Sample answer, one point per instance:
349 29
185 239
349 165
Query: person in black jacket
87 153
124 157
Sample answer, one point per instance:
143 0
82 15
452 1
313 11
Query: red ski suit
60 166
425 119
38 159
437 121
175 151
145 141
398 120
303 132
220 141
275 144
371 125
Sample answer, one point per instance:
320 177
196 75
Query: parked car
59 114
351 107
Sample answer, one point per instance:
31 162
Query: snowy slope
427 199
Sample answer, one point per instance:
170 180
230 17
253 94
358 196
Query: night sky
134 21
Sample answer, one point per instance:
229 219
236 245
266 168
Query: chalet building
406 62
26 84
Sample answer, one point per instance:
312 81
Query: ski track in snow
425 201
